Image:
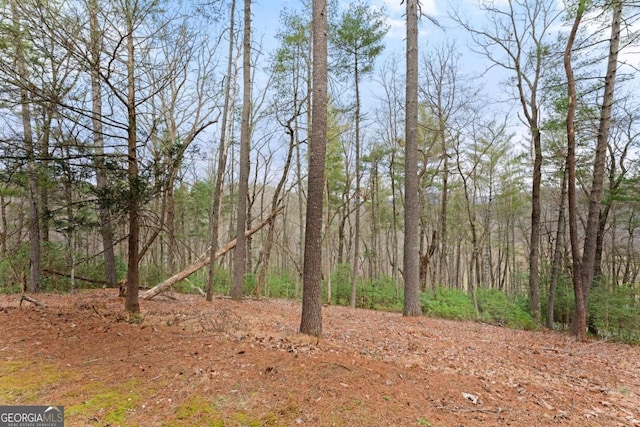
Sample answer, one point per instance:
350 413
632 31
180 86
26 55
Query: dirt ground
187 362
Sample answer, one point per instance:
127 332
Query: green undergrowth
493 307
615 313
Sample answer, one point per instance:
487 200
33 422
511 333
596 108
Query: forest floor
187 362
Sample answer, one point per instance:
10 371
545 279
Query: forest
149 144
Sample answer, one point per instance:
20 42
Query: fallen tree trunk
84 279
203 261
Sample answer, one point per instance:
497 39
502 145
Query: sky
267 12
266 21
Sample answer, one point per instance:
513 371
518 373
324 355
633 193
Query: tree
359 37
132 83
225 130
390 119
441 91
180 112
580 315
311 319
518 32
132 304
22 78
586 267
240 252
106 230
412 305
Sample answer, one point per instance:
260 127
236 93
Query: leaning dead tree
204 260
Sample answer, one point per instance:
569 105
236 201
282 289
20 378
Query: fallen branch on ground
32 301
203 261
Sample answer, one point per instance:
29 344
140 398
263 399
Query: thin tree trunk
557 251
32 170
275 201
47 117
3 222
327 278
70 231
106 230
168 216
534 250
356 242
222 158
132 303
443 269
580 315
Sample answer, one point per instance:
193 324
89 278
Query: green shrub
152 274
341 284
282 285
616 312
563 301
380 294
200 280
10 280
496 308
448 304
221 281
14 269
250 284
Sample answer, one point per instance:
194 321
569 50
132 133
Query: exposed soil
189 362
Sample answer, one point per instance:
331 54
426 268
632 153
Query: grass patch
108 405
196 410
25 382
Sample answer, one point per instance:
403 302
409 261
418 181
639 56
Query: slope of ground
187 362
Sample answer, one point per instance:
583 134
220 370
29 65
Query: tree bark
411 262
240 252
132 304
311 319
356 237
597 186
580 316
534 249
